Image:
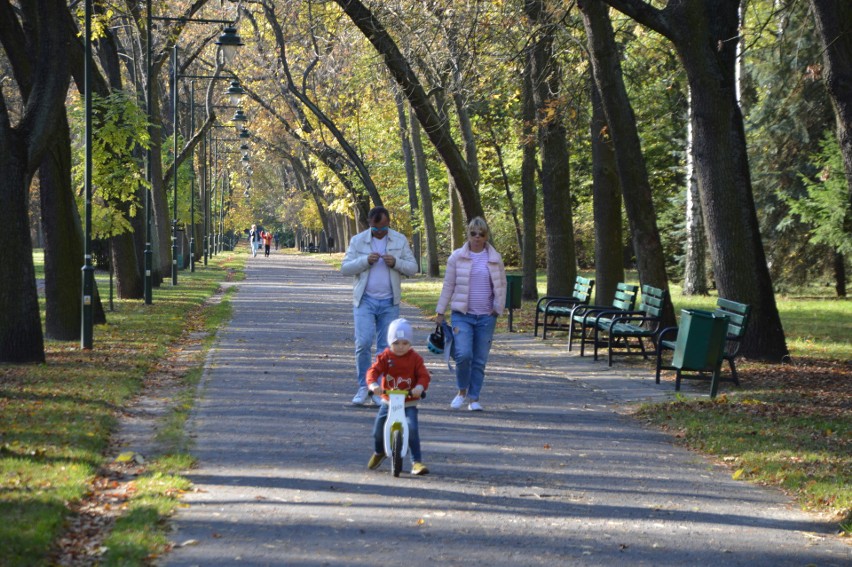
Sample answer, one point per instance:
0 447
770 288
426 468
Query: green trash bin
700 344
514 285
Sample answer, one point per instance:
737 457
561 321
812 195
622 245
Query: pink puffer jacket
457 280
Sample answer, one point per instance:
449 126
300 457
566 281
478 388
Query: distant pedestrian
275 238
254 240
376 257
398 367
475 291
267 242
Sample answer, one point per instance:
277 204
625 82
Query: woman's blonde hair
478 223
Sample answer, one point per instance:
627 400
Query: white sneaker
457 402
361 397
377 400
474 406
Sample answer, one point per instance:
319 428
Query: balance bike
396 429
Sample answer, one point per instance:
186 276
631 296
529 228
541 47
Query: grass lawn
56 420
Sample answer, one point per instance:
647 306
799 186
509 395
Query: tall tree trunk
695 266
410 178
609 265
507 187
700 31
458 223
160 218
839 274
555 172
834 24
63 254
40 65
432 265
21 338
633 175
528 190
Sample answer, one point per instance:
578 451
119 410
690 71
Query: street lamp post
175 168
87 320
220 176
228 41
192 182
149 172
205 177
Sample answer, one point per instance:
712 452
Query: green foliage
827 203
119 131
786 113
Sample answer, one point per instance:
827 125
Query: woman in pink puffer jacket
475 290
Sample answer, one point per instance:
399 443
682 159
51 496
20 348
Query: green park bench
617 329
737 315
551 310
584 318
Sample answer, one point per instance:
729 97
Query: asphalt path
551 473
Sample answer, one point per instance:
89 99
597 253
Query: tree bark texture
63 251
695 265
40 67
704 33
633 175
433 269
436 129
458 223
606 206
411 181
555 172
834 24
528 190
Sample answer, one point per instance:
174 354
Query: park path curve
550 474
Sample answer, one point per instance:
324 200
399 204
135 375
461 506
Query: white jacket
355 262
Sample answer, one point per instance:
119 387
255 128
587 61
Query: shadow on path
549 474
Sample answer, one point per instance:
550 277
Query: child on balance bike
399 367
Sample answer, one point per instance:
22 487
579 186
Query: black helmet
435 343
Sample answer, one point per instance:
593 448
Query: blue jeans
472 336
413 432
372 319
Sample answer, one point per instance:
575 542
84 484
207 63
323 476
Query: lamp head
229 41
235 92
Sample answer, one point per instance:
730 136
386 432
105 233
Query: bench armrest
543 303
598 314
664 333
583 308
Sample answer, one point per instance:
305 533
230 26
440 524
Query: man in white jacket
376 257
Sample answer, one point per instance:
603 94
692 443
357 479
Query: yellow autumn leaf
737 474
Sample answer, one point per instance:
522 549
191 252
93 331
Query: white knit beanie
400 329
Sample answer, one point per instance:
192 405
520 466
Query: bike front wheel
396 452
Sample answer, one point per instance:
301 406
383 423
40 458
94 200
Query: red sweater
399 373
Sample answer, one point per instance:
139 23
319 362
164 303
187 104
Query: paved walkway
550 474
